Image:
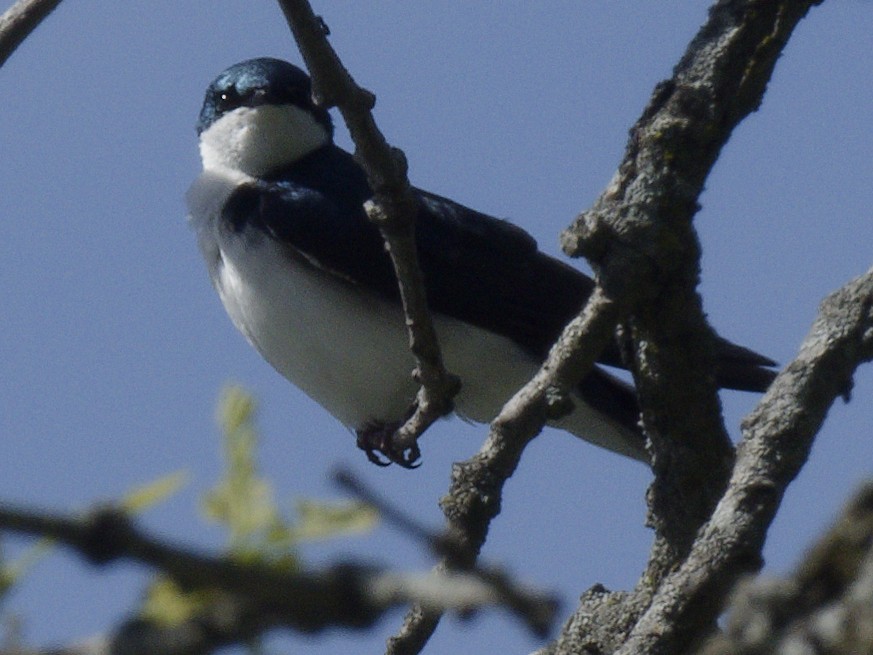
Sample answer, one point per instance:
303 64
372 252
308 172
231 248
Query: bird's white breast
343 346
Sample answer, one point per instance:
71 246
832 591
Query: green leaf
236 409
319 520
242 500
167 604
245 503
150 494
12 572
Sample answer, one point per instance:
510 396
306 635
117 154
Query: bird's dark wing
490 273
478 269
331 231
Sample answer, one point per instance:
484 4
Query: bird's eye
228 99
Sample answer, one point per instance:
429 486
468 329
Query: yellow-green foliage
167 604
150 494
244 502
11 572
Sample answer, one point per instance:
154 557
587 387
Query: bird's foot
379 439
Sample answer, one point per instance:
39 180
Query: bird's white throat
258 140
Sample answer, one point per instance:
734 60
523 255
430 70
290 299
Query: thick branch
19 21
644 222
307 601
641 229
393 209
640 239
823 608
777 438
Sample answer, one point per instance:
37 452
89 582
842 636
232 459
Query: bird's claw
377 441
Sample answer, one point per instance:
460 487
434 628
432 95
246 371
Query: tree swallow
304 275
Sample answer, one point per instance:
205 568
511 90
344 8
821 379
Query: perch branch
393 209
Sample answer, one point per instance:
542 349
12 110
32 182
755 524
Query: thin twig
474 497
19 21
392 209
537 611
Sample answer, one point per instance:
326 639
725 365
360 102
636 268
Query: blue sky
114 346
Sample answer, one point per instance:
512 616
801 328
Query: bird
278 212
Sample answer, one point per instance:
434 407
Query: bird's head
258 116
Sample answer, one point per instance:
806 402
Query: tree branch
640 239
537 611
19 21
251 598
824 607
640 231
308 601
641 227
777 438
393 209
524 415
474 497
